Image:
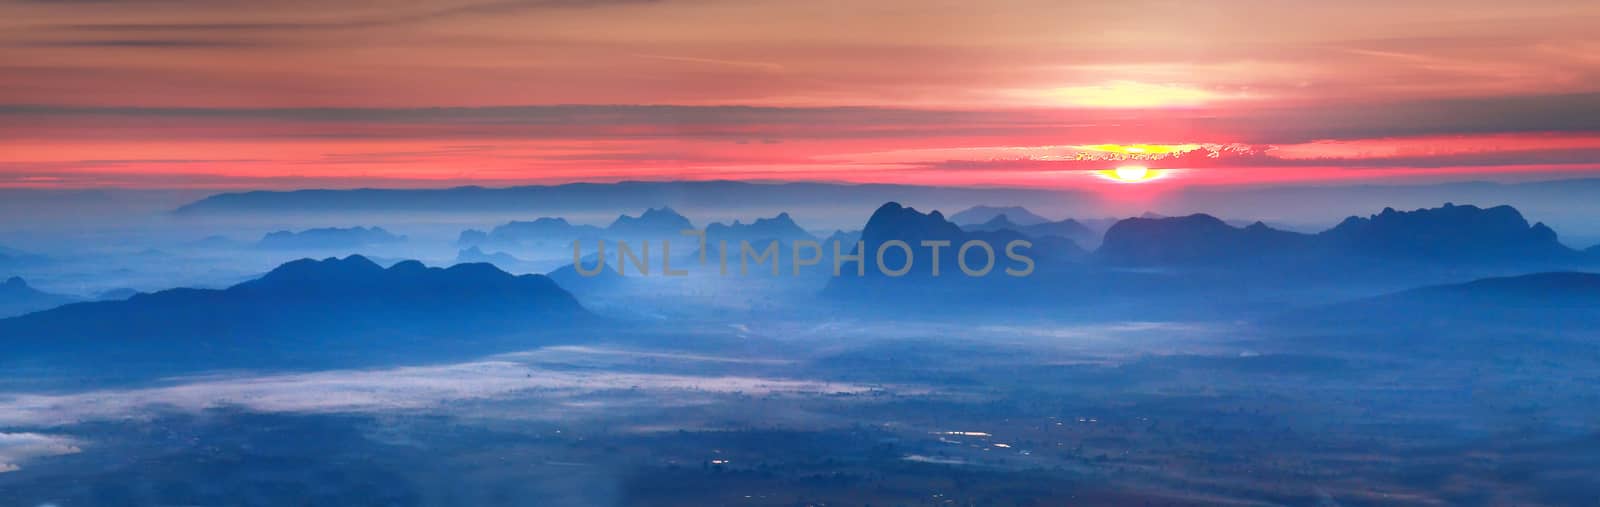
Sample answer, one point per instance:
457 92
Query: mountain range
893 222
1538 301
328 238
1444 236
779 228
301 313
1173 267
572 197
1451 234
17 298
1068 228
1197 239
474 254
540 229
981 214
654 224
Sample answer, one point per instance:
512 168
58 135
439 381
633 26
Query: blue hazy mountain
1265 268
1068 228
655 223
1000 222
472 237
779 228
842 237
502 260
475 254
17 298
328 238
215 241
658 225
893 222
1449 234
1569 202
981 214
1540 301
605 196
1197 239
538 230
299 313
652 224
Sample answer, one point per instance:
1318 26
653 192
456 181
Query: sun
1130 174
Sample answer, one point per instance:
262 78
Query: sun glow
1131 174
1130 94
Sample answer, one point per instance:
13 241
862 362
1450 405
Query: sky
234 94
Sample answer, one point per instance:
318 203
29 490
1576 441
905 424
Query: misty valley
229 351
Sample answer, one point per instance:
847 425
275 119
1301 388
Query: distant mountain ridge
328 237
17 298
1194 239
778 228
1441 236
1545 300
604 196
540 229
893 222
301 309
653 224
1447 234
476 255
981 214
1067 228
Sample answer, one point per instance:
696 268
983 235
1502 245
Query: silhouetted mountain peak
551 221
1448 233
1542 232
893 221
780 227
17 297
982 214
999 222
661 220
332 269
782 220
300 311
1193 239
1195 222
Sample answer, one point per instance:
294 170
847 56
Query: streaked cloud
17 448
610 89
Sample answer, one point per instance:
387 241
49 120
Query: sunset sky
298 93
